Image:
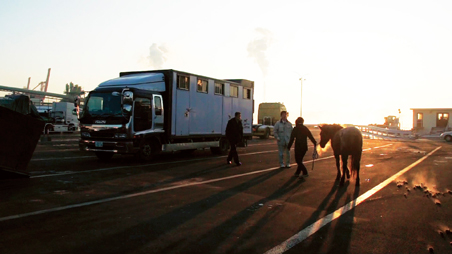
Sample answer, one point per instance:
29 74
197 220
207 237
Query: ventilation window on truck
183 82
219 88
202 86
247 93
234 91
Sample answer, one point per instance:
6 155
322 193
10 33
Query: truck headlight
85 134
120 135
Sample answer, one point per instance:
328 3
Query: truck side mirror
127 98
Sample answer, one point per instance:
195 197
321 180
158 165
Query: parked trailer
147 112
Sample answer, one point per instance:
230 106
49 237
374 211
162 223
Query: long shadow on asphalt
210 241
147 232
327 206
79 180
344 228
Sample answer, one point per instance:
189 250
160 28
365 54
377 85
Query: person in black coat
234 134
301 134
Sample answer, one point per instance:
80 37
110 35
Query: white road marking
57 150
77 157
17 216
146 165
63 158
316 226
153 164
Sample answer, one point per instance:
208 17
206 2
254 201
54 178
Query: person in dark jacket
234 134
301 134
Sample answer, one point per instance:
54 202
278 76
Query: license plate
99 144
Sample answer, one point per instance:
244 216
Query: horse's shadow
340 241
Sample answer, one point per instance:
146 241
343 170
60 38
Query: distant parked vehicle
262 131
59 117
447 136
268 114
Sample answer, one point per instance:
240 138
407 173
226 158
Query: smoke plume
258 46
157 55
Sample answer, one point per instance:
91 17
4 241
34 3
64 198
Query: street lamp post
301 95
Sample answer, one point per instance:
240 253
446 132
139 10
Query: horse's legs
356 163
338 166
344 168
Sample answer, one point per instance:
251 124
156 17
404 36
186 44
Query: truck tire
266 134
222 149
104 156
147 151
71 127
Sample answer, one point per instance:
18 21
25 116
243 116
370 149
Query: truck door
142 114
158 112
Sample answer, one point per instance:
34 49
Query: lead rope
315 155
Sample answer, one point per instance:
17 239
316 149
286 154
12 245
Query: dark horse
345 142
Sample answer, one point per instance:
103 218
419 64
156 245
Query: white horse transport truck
148 112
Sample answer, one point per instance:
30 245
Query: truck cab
115 120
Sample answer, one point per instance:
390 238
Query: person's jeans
282 149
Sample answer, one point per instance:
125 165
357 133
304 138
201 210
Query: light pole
301 95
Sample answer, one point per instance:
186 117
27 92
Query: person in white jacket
282 130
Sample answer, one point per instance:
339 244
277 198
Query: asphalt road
195 203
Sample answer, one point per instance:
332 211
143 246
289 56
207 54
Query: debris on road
401 183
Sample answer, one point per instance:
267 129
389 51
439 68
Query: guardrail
374 132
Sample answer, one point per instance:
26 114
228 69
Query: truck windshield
103 105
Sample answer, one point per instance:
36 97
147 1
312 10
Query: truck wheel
147 151
104 156
222 149
448 138
266 134
71 127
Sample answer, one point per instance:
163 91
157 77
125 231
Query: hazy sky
362 60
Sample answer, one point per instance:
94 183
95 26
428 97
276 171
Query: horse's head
327 132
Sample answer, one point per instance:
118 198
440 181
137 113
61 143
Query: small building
431 120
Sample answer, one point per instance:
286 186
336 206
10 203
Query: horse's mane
331 127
